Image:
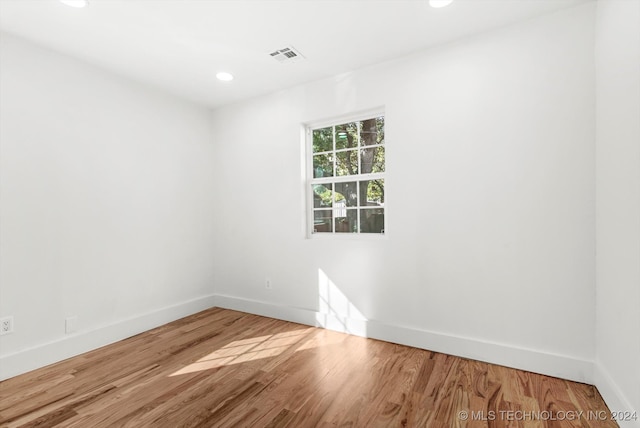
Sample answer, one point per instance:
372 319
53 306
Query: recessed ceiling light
75 3
224 76
439 3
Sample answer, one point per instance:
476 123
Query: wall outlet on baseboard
71 325
6 325
267 284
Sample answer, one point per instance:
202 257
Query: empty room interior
320 213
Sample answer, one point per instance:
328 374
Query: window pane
372 220
372 160
347 136
368 132
322 195
371 193
347 223
323 221
322 140
380 129
347 162
322 166
372 131
346 194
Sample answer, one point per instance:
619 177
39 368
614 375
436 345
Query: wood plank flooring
222 368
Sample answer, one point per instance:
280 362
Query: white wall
491 175
618 203
111 210
105 206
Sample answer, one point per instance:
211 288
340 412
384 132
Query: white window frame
310 180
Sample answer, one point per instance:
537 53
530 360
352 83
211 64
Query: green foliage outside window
353 149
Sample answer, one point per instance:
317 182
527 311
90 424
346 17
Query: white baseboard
613 396
72 345
524 359
271 310
561 366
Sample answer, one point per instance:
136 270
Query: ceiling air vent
288 54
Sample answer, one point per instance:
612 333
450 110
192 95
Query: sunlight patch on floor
245 350
335 312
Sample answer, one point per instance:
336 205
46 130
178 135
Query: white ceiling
179 45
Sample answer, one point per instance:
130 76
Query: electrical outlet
267 284
6 325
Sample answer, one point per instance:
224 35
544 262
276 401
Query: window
347 173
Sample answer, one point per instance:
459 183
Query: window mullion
322 180
372 176
335 172
358 206
359 148
333 155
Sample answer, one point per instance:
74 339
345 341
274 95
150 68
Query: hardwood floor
222 368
